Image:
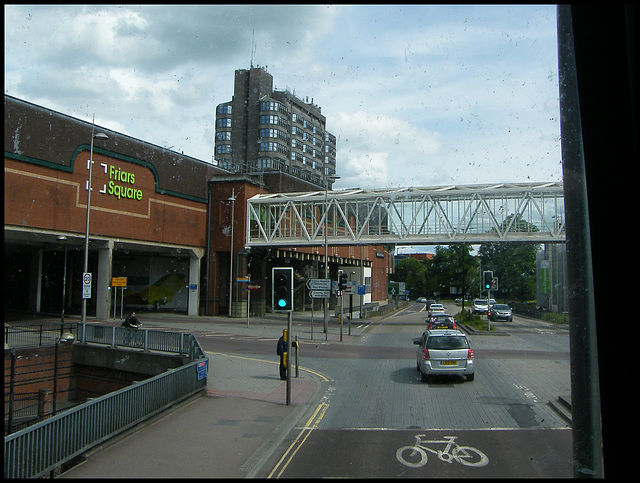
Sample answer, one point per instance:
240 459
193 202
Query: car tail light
469 354
455 326
430 326
425 354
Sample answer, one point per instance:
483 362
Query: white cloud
416 94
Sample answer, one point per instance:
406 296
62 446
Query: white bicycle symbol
416 456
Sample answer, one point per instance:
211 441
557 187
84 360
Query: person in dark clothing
281 350
131 321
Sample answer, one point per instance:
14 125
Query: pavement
230 430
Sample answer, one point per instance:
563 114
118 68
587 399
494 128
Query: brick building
158 218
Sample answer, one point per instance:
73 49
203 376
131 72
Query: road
374 403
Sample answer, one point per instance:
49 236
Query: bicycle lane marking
465 455
372 453
293 448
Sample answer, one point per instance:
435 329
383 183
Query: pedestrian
281 350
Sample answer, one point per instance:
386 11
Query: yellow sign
119 282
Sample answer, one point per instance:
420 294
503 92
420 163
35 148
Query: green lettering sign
122 190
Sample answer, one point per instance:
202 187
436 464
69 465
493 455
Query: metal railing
45 446
148 340
36 335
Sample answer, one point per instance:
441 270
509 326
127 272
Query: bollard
295 346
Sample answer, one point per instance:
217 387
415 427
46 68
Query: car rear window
445 342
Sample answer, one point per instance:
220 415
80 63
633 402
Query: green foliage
410 271
513 263
451 266
475 321
515 266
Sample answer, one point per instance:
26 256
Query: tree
452 266
410 271
513 263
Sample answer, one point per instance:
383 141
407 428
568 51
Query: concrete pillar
193 303
105 271
44 403
35 282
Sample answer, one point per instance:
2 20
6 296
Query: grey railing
155 340
39 449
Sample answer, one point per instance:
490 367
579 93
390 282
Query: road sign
350 288
118 281
319 284
201 369
86 285
320 294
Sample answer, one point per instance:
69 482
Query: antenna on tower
253 45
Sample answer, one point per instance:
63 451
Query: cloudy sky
416 95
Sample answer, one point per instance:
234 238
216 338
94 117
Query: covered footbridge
505 212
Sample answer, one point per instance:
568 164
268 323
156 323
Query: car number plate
449 363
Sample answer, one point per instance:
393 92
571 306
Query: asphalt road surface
374 404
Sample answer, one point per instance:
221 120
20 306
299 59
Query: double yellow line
312 422
305 432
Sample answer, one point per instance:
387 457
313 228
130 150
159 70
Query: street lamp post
102 136
331 177
232 198
63 238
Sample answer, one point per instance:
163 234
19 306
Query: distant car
428 304
436 309
444 352
441 321
480 306
500 312
421 300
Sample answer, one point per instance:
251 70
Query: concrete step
562 407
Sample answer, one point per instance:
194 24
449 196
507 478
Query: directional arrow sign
320 294
350 288
319 284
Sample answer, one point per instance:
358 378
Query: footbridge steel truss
525 212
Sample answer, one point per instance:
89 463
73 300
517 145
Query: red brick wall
35 368
45 198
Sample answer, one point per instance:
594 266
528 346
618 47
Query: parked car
444 352
441 321
500 312
480 306
435 309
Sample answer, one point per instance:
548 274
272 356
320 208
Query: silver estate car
444 352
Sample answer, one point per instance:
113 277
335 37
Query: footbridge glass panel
410 216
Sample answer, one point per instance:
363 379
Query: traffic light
486 280
342 282
282 289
